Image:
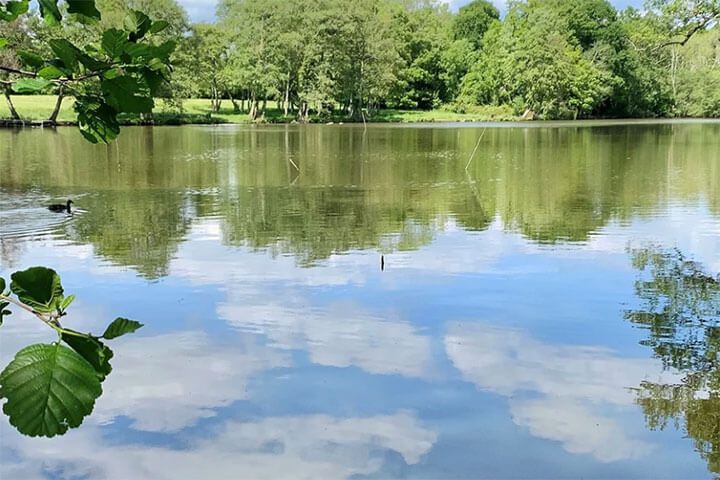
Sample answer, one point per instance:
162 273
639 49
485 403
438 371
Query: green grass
38 107
197 110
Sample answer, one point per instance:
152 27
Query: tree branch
50 319
17 72
689 34
61 80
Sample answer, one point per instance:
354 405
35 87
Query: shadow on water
680 314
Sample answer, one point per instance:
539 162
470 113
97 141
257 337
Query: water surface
548 312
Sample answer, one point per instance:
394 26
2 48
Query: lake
550 311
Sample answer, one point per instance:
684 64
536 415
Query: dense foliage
543 58
551 58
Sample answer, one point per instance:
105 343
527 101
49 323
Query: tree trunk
13 113
253 107
236 106
58 104
287 96
674 61
303 112
215 101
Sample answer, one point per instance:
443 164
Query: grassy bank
197 110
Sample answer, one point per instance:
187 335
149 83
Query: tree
252 26
424 41
455 62
644 90
364 50
533 61
697 75
589 21
202 60
13 33
473 20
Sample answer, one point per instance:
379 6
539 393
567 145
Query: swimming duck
61 208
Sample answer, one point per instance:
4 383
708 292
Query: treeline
550 58
544 58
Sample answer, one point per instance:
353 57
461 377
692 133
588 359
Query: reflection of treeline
311 191
141 229
680 312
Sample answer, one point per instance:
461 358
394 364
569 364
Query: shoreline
615 122
36 108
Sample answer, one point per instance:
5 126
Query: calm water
538 316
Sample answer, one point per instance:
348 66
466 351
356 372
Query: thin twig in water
293 164
477 145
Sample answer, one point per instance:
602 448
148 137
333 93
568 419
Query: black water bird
61 208
382 263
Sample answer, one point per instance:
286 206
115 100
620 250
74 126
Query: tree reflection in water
680 310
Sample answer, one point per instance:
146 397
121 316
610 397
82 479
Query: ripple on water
25 215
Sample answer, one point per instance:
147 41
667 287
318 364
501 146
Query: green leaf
4 304
50 72
164 50
49 388
50 11
158 26
60 65
112 73
127 94
67 301
4 313
119 327
13 9
3 42
91 63
91 349
97 120
138 50
153 78
156 64
29 85
67 52
30 59
114 42
83 7
137 23
38 287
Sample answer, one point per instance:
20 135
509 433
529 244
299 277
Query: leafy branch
52 387
121 73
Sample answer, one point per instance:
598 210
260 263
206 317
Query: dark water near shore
550 311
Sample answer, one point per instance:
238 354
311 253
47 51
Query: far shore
35 109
